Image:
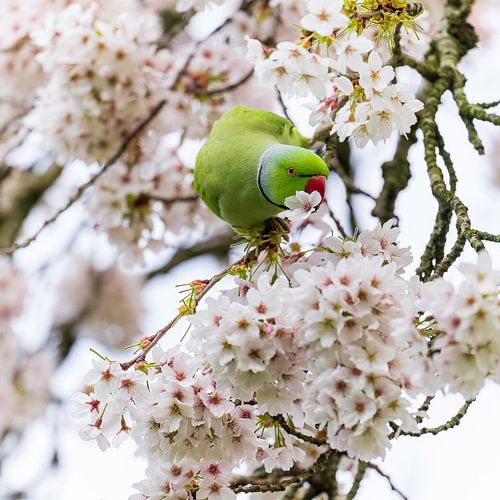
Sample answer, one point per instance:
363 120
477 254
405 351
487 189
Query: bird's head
285 169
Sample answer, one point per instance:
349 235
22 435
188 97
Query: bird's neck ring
263 167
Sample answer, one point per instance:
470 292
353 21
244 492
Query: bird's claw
279 226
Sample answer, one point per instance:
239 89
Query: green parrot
252 161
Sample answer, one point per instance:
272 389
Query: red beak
316 184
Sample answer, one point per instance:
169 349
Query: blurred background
80 296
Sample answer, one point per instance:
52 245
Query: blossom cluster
465 325
337 349
12 291
24 375
248 336
17 54
347 77
139 207
332 340
106 77
190 430
374 107
365 361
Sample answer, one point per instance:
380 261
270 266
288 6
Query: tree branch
318 466
79 192
453 422
294 432
149 342
377 469
228 88
360 474
396 173
218 244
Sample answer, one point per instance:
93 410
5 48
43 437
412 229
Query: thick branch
318 466
218 244
31 189
360 474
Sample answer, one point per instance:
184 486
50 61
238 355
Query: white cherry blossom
301 205
373 76
324 16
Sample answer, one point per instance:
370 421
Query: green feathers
251 162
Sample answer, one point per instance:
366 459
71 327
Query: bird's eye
291 172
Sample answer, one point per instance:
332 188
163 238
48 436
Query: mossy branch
360 474
450 424
276 486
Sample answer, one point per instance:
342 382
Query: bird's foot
277 225
268 238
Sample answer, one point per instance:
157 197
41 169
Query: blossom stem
339 225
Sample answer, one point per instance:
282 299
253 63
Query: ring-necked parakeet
252 161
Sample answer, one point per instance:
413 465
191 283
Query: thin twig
341 229
218 244
79 192
171 201
154 339
453 422
488 105
283 105
228 88
424 407
376 468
